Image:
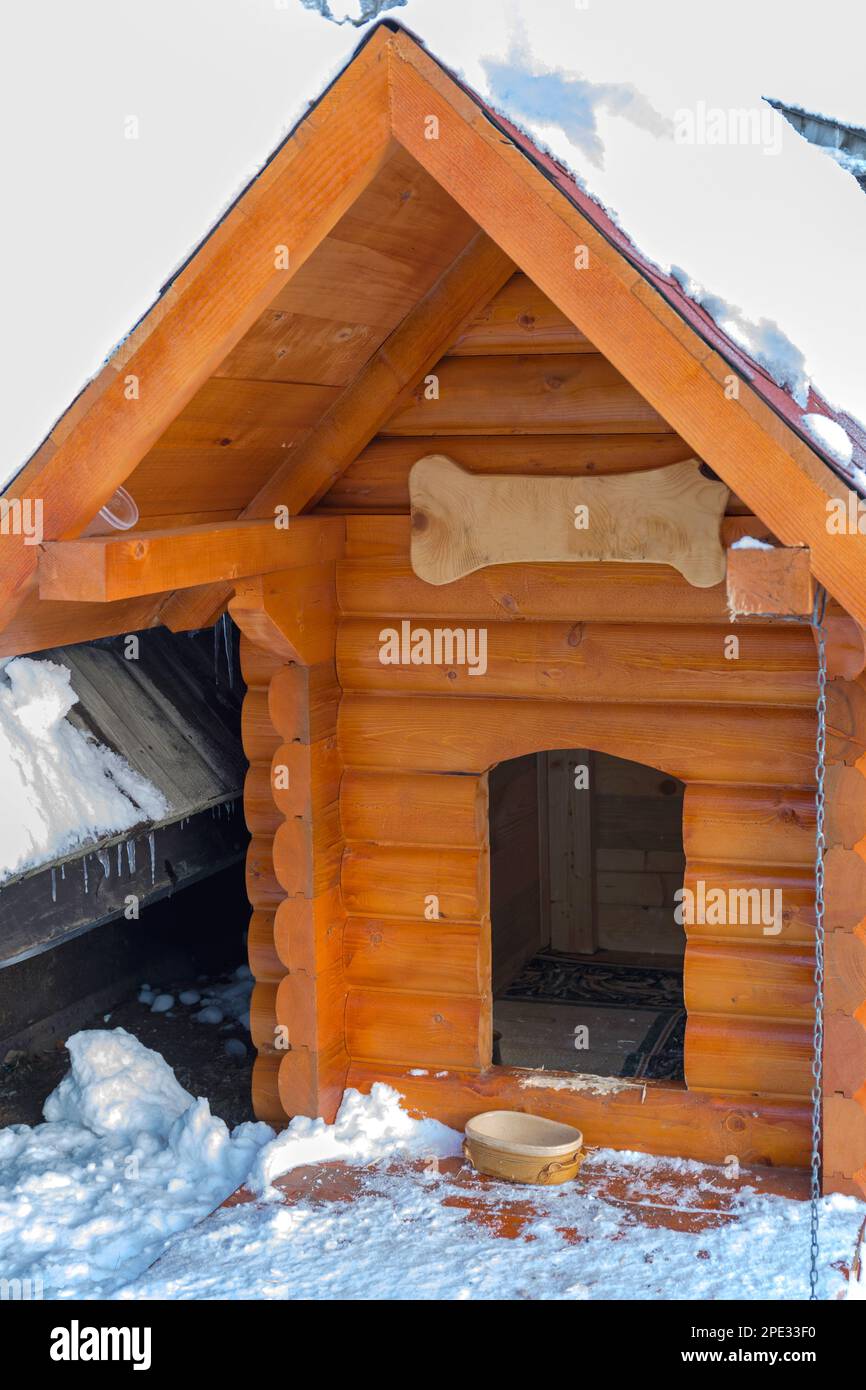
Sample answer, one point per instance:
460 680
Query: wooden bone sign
465 521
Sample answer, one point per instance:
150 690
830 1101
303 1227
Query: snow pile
404 1236
59 788
126 1159
831 436
367 1128
751 543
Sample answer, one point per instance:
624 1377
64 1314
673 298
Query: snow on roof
656 126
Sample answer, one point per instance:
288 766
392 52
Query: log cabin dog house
409 279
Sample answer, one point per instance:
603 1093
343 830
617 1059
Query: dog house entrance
586 855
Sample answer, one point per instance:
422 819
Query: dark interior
586 856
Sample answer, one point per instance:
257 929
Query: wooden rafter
106 568
298 198
752 449
376 392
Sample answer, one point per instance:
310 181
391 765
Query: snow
59 787
111 1197
634 99
830 436
126 1158
751 543
366 1128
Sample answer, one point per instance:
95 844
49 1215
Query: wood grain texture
462 522
775 582
526 395
657 1119
694 743
594 661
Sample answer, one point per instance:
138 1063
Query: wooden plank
765 1057
530 592
462 522
656 1119
422 1029
753 825
104 569
249 415
415 881
769 979
381 953
409 808
520 319
794 884
378 479
364 406
775 582
589 661
777 475
571 862
526 395
39 624
692 742
207 309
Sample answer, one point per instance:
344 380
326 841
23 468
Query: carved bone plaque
465 521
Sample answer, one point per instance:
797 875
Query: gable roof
526 204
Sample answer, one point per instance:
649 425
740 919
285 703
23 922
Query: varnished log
306 855
594 661
767 980
845 884
794 883
304 778
845 972
302 702
655 1118
258 735
263 1015
381 953
401 881
267 1105
263 887
312 1083
409 808
753 825
308 932
846 805
311 1007
435 1030
261 949
694 743
775 582
378 479
291 612
763 1057
260 813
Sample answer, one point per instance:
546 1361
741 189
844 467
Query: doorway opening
586 855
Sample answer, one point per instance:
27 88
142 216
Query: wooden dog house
408 276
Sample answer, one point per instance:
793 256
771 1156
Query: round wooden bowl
523 1148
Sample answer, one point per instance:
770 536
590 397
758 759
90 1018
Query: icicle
151 844
119 859
53 885
130 856
227 643
62 870
84 865
216 655
102 856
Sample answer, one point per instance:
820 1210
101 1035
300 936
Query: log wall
418 741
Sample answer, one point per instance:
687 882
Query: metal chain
820 845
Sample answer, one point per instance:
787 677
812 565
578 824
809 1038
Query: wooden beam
104 569
757 454
297 199
770 583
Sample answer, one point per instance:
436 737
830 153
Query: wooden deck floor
664 1196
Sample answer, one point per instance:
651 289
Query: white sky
96 222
